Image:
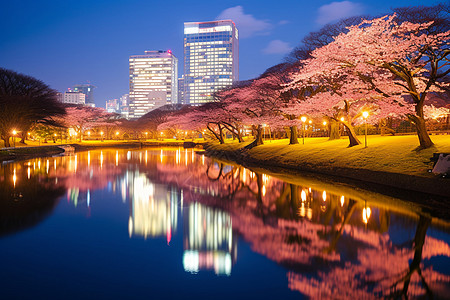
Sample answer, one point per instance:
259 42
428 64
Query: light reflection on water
331 240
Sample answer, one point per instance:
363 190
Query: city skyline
63 44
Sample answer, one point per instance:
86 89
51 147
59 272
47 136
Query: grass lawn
394 154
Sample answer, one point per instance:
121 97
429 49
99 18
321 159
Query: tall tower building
211 59
88 91
153 82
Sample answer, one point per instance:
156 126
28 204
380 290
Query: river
167 223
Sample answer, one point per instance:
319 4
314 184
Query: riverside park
326 176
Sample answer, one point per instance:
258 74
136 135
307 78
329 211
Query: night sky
73 42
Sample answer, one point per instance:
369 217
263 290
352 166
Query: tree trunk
334 130
351 135
294 135
6 140
239 136
258 138
424 138
385 128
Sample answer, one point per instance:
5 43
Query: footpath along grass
393 154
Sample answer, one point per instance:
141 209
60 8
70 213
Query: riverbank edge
433 186
23 153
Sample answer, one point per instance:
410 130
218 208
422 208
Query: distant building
60 97
153 81
113 106
124 106
181 90
118 106
88 91
74 98
211 59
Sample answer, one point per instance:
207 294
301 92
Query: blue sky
71 42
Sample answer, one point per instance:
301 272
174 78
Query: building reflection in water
154 208
343 237
208 240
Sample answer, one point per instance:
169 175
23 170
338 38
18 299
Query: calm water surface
170 223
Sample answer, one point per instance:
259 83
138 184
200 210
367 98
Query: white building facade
74 98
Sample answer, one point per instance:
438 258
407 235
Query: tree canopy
24 101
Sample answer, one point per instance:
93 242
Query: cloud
338 10
277 47
283 22
247 25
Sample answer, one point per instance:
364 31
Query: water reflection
19 208
334 241
208 240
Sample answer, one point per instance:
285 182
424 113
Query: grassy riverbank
388 160
394 154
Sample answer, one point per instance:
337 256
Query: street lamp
365 115
303 128
117 135
101 134
146 135
325 125
14 132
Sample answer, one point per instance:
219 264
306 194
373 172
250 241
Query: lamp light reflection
14 178
366 214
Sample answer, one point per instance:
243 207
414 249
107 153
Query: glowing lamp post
146 135
325 126
101 134
14 132
117 135
365 115
303 128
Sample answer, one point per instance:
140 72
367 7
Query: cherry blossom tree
378 49
82 118
257 104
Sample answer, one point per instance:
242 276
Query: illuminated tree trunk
294 135
422 134
334 130
5 139
258 137
351 135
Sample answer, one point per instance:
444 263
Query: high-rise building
88 90
211 59
153 82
